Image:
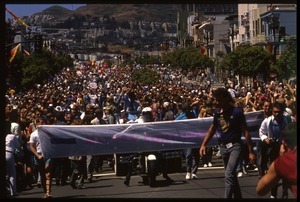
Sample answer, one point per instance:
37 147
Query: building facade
223 27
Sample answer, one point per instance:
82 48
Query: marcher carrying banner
69 140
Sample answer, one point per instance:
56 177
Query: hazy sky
28 9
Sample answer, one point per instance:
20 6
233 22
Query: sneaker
273 197
73 185
89 179
194 176
47 196
240 174
39 185
81 187
244 170
15 194
168 178
209 164
188 176
126 182
205 165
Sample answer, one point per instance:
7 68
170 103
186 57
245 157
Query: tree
286 65
189 59
248 60
145 76
37 67
145 60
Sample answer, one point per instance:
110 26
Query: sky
28 9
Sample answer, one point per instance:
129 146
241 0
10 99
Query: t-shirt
11 143
230 128
35 139
286 167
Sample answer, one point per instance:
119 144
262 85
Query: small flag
26 52
203 49
269 48
13 52
227 48
17 18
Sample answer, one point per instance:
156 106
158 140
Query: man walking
270 133
191 154
231 123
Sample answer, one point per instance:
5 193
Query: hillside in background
121 12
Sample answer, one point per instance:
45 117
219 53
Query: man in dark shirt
231 123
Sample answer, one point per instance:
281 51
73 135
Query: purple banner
79 140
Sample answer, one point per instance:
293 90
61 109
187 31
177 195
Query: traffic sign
34 29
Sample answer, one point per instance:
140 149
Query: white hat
147 109
58 108
289 111
166 104
15 129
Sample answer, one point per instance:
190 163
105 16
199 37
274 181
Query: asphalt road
209 185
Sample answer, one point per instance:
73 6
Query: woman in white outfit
11 144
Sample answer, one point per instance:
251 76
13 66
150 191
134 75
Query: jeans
117 116
207 158
192 159
11 173
244 158
231 158
78 167
90 166
62 170
266 154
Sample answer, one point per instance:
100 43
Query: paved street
210 184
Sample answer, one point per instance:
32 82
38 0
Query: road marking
211 168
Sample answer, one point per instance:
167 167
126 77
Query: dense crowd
91 94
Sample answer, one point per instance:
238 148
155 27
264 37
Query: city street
210 184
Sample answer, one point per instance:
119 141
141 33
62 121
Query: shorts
37 162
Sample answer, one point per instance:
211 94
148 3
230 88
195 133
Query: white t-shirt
35 139
11 143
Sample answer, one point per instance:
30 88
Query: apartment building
217 26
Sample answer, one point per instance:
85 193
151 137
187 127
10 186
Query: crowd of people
91 94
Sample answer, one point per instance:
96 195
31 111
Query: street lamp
273 21
274 24
207 38
231 33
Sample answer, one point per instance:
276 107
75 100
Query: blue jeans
231 158
192 159
11 172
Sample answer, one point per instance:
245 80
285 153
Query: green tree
189 59
248 60
145 60
37 67
145 76
286 65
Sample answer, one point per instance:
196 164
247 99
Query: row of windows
211 8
